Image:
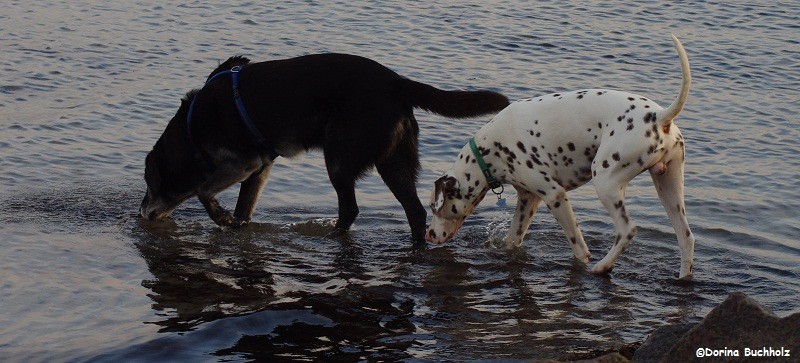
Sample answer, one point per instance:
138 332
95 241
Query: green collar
493 182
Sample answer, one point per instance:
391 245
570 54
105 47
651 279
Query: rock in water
736 330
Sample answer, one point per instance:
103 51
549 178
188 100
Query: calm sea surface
87 87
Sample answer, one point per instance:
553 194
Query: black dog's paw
223 218
336 232
239 223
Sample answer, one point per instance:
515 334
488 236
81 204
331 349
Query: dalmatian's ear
444 187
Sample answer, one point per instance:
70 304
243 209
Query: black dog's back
357 111
298 102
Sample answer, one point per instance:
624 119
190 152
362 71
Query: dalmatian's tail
666 115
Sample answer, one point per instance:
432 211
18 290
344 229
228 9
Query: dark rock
660 341
738 325
607 358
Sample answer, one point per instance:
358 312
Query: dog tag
501 202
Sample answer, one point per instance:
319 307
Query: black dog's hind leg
249 192
399 172
343 170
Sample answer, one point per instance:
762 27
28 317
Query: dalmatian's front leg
526 206
561 209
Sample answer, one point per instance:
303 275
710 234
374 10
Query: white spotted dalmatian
549 145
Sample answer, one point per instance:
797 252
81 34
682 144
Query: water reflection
196 282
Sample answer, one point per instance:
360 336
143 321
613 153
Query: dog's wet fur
358 112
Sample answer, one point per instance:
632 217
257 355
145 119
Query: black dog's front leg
222 178
249 193
218 214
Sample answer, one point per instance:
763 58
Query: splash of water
496 229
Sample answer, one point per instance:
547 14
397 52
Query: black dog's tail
455 104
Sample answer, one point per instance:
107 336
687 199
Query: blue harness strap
259 137
248 122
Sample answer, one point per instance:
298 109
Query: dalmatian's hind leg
611 192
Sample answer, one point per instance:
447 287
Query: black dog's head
171 171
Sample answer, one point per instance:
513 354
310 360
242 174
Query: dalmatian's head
452 201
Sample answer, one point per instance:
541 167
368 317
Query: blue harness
248 122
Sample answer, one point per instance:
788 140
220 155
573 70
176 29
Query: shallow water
86 88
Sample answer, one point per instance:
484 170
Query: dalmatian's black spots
611 133
600 93
521 146
538 134
536 160
530 132
688 233
477 183
619 204
529 164
560 150
630 127
535 122
572 240
620 118
649 117
640 161
557 95
571 145
580 96
541 192
454 209
647 134
468 176
630 120
615 156
631 98
467 159
633 107
605 164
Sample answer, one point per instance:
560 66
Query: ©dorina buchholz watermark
765 352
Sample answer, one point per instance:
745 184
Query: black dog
357 111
